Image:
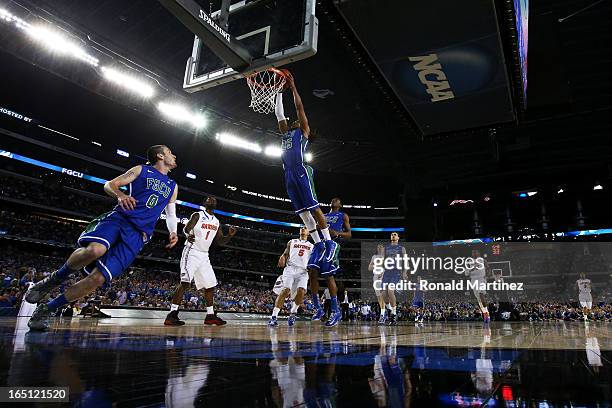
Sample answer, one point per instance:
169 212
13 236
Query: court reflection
315 367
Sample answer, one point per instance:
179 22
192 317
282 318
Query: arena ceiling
365 130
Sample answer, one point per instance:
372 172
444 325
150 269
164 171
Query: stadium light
210 181
58 132
96 143
532 193
57 42
181 114
273 151
459 201
191 176
435 204
598 187
9 18
231 140
308 157
123 153
129 82
560 191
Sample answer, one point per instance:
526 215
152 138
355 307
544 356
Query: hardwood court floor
139 362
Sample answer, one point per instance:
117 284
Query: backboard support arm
224 14
192 16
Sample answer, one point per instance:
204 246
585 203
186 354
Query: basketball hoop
264 86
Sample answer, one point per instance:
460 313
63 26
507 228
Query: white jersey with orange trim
299 252
205 231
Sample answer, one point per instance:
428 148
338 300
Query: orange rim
251 81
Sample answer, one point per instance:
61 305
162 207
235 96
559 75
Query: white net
264 86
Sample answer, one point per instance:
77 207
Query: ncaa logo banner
443 59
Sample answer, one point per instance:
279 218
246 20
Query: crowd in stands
154 288
252 250
138 287
248 250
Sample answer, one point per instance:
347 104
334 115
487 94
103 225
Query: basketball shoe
273 322
334 319
214 320
40 318
37 292
173 320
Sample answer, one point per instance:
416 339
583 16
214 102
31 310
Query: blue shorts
326 265
122 240
316 256
417 301
391 276
331 265
300 188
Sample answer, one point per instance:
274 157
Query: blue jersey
392 250
152 191
293 146
335 220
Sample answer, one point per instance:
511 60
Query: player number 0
152 201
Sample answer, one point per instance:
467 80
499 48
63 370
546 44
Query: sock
315 236
334 303
394 310
315 301
210 310
64 272
294 308
174 307
275 312
56 303
485 310
325 233
383 312
388 306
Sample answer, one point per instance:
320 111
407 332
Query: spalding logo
431 75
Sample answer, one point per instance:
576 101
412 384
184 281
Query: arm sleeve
279 110
171 220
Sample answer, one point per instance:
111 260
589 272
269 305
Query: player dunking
295 277
111 242
202 230
584 295
300 189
